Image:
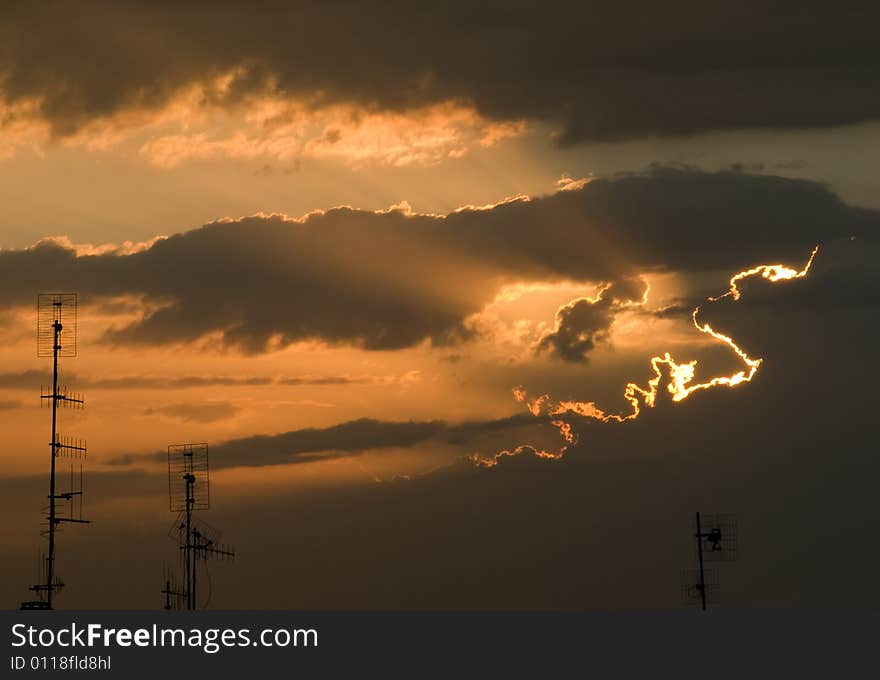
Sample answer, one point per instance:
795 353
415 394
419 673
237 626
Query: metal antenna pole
56 312
716 537
50 560
702 573
188 552
195 557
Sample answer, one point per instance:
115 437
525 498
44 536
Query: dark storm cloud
579 326
349 438
391 280
584 322
596 70
845 275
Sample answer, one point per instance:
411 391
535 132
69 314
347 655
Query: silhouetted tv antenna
188 491
716 539
175 597
56 338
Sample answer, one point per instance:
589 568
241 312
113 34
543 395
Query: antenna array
56 337
189 490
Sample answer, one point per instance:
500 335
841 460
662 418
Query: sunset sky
350 245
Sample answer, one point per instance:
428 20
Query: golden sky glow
458 283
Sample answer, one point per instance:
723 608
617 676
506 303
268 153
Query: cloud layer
349 438
30 379
594 70
388 280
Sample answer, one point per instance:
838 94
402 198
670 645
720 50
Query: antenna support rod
702 586
50 559
189 553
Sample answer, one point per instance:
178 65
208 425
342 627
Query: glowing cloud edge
681 375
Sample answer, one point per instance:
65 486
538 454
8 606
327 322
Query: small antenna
175 598
188 490
717 540
56 338
52 309
189 486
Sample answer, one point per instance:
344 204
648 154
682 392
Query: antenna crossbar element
205 547
69 447
35 605
174 597
63 396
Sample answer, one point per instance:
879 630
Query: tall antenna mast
188 491
717 540
56 338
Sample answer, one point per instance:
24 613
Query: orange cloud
201 123
285 131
